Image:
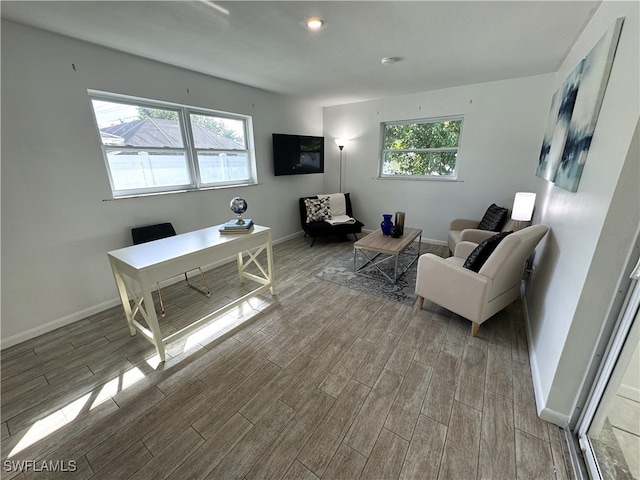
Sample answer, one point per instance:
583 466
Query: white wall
503 126
578 264
56 224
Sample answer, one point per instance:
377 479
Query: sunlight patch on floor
65 415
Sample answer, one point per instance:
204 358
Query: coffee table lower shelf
377 248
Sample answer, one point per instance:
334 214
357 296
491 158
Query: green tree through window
427 148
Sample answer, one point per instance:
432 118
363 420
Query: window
153 147
421 149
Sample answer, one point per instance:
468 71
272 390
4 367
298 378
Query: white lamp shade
523 206
341 142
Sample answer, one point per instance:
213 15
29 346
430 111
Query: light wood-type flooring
320 381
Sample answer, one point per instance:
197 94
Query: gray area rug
340 271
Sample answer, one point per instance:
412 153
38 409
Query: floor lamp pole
340 147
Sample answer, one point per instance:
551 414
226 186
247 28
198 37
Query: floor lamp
341 142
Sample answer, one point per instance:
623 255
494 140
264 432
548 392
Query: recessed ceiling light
390 60
315 23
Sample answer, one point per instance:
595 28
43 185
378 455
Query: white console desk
138 267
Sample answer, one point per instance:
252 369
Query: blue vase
386 224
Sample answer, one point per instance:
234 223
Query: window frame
384 151
189 149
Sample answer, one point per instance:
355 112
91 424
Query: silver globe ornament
238 206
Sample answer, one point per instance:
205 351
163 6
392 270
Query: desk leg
149 312
124 298
272 281
240 266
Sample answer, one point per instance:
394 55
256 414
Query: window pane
217 132
223 167
136 126
423 135
136 170
419 163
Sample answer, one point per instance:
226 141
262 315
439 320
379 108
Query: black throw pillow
483 251
493 219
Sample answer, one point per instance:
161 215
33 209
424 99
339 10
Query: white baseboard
544 413
113 302
551 416
60 322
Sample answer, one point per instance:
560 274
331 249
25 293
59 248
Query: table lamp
523 208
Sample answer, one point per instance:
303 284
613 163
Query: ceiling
265 44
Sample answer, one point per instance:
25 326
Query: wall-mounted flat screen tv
297 154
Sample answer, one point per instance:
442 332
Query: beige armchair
466 230
477 296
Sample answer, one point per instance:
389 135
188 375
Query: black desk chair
156 232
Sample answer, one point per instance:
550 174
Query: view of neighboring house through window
152 147
421 148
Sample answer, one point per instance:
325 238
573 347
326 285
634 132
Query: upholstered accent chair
314 219
476 231
478 295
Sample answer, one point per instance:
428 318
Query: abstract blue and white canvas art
574 112
558 125
593 83
544 166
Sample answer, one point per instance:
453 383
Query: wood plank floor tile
273 390
379 322
497 443
122 438
157 439
373 365
202 461
499 374
252 446
460 456
205 365
524 406
403 354
470 390
533 457
91 429
124 465
431 346
345 464
455 339
440 396
324 442
387 457
345 367
425 450
169 458
368 423
404 412
474 361
217 415
285 448
319 368
297 471
28 444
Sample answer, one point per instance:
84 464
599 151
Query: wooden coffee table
377 248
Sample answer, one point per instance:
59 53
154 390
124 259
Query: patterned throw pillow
493 219
483 251
318 209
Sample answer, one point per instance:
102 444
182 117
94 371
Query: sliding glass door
609 430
